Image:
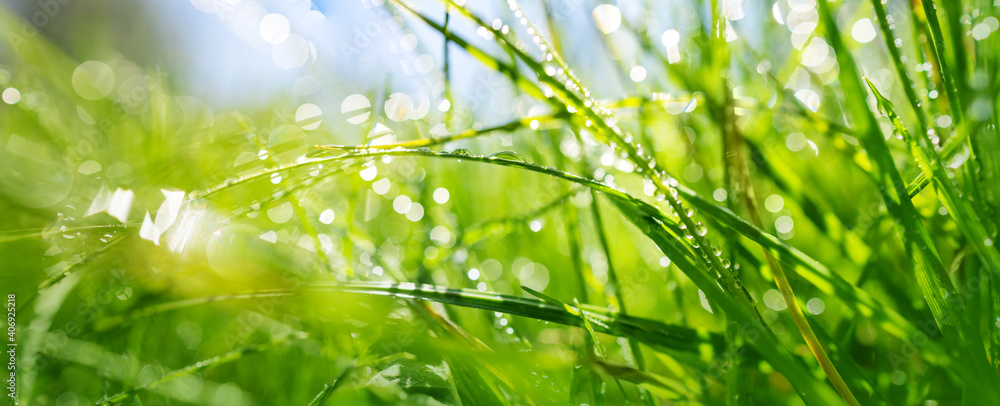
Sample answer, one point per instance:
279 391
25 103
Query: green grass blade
942 297
968 219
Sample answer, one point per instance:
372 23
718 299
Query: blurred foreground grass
685 203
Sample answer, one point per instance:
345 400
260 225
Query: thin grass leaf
199 366
329 388
968 219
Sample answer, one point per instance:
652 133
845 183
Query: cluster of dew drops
664 183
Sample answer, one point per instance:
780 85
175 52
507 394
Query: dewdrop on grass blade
508 156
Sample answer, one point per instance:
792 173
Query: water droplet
93 80
784 224
607 18
863 31
274 28
670 38
508 156
308 116
550 69
809 98
398 107
441 195
981 31
402 204
774 300
415 213
815 306
281 213
774 203
898 377
357 108
720 195
291 53
11 95
381 186
637 74
536 226
369 173
327 216
89 167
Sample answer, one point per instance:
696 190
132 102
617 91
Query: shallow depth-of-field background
500 202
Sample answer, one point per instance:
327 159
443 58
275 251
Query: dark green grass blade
650 332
